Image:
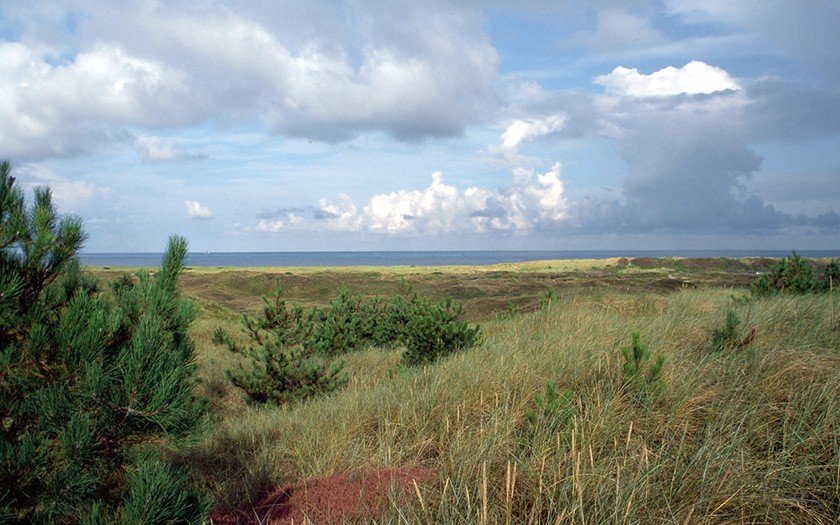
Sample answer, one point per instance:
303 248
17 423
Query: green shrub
385 321
284 364
554 412
155 494
728 336
793 274
284 374
95 385
292 351
549 297
340 328
638 381
377 326
434 330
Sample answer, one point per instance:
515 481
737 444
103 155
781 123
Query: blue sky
395 125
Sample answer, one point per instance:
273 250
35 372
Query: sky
272 125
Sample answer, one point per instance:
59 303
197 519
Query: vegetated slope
484 290
747 434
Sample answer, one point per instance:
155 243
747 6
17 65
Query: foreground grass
752 435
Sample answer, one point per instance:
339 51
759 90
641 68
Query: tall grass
750 435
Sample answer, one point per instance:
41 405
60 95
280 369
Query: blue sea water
415 258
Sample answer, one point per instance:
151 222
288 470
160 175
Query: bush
292 351
284 374
793 274
340 328
384 321
729 337
434 330
637 381
284 364
94 386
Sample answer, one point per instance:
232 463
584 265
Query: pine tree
434 331
636 357
96 385
283 363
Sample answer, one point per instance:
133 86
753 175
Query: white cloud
53 110
524 130
341 216
687 158
196 210
168 65
270 225
532 201
692 79
520 131
430 210
295 219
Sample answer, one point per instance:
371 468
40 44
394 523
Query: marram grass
750 435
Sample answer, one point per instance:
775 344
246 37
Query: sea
411 258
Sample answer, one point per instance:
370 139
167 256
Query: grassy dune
749 435
484 290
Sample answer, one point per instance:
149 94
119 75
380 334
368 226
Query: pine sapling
97 384
642 384
548 298
729 337
553 412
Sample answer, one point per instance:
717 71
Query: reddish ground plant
347 497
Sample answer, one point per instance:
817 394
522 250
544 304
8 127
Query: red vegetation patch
345 497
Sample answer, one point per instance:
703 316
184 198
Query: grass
484 290
744 436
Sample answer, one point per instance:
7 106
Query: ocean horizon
412 258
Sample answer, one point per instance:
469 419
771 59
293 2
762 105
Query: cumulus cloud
533 201
340 216
685 136
688 157
282 219
56 110
167 65
270 225
196 210
694 78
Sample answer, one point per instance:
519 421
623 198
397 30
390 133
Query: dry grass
483 290
744 437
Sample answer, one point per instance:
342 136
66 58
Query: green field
749 434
